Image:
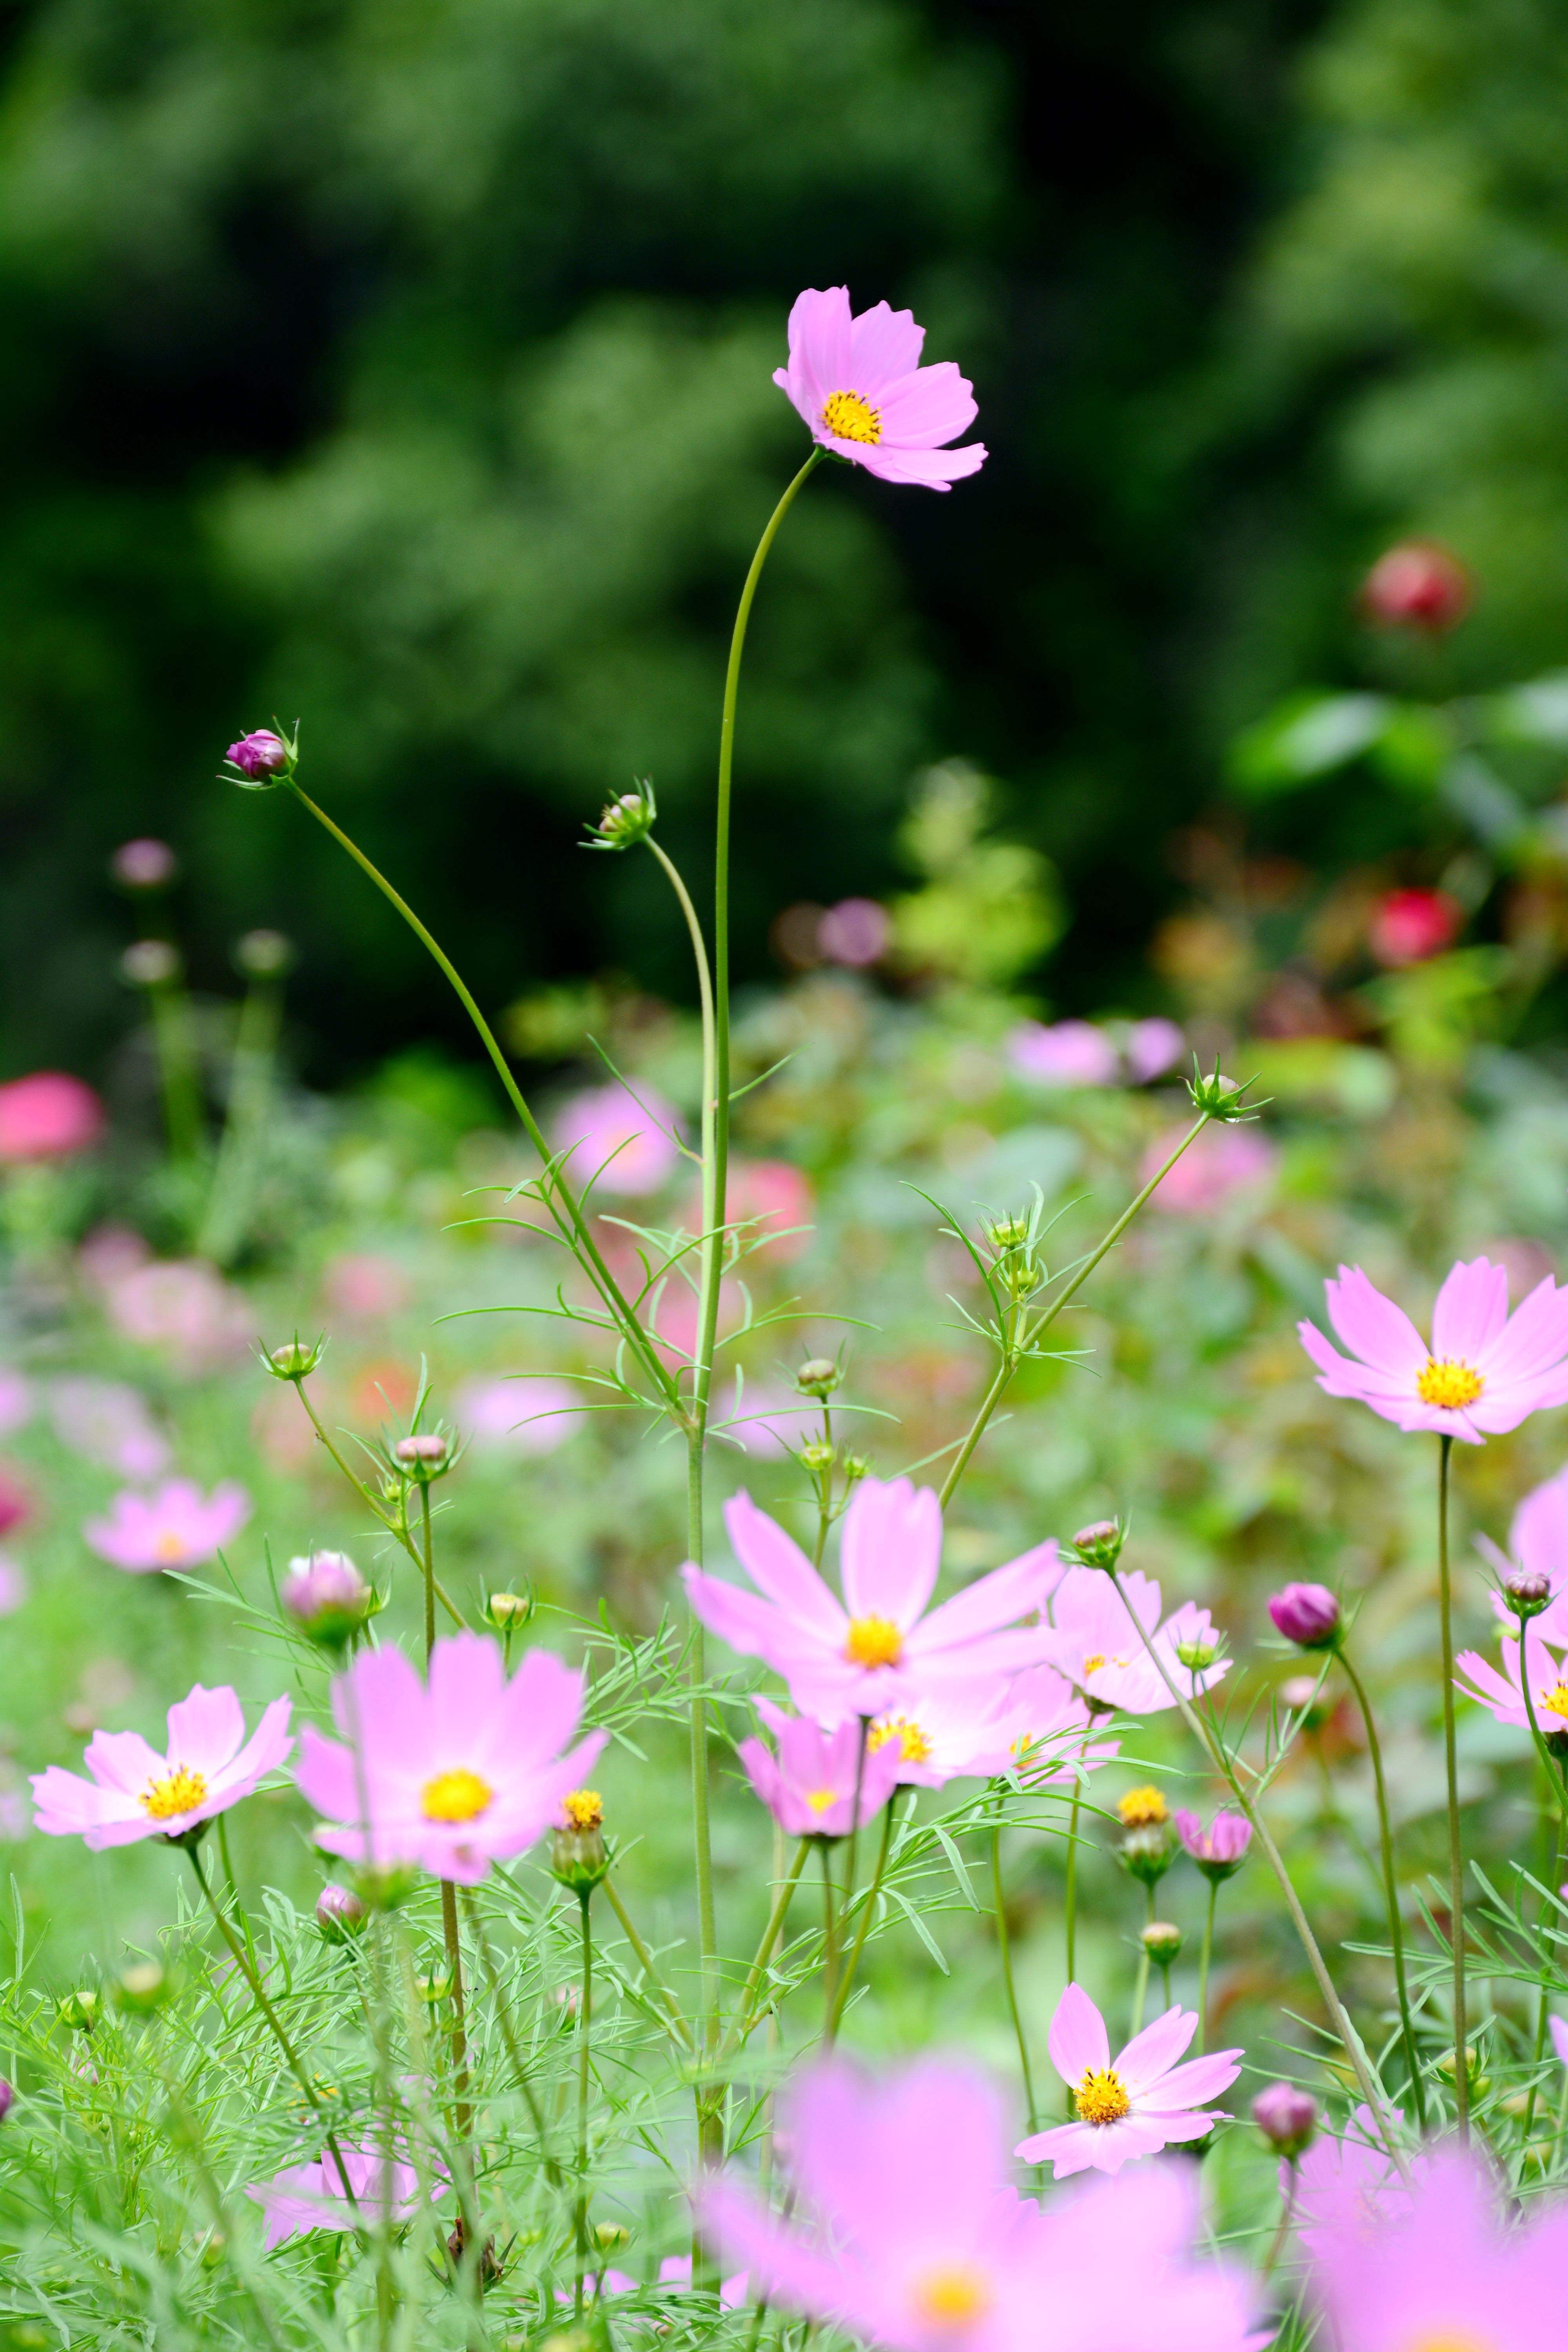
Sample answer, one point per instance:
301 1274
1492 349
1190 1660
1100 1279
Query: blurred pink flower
1073 1054
779 1196
362 1286
1032 1723
110 1252
808 1784
1153 1047
860 385
143 864
869 1654
1538 1543
1408 926
48 1115
766 1420
456 1775
1485 1372
676 2271
184 1305
281 1430
1417 584
12 1587
310 2196
172 1527
619 1142
1449 2264
17 1504
16 1814
1219 1849
16 1400
1345 2186
1224 1162
135 1793
1135 2108
518 1416
855 932
1094 1643
107 1422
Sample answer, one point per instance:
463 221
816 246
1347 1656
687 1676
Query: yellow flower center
583 1808
1447 2339
179 1791
170 1547
820 1799
951 2296
1101 2098
850 418
1141 1808
457 1796
1555 1700
873 1642
913 1746
1092 1663
1444 1381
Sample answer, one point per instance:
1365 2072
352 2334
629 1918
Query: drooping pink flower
305 2196
860 385
1485 1373
808 1785
174 1527
134 1792
869 1654
1222 1847
456 1775
1444 2265
518 1416
1223 1164
1094 1643
1538 1543
621 1142
1408 926
1503 1694
1135 2108
1070 1053
47 1116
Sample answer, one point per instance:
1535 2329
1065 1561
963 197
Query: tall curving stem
1450 1757
1391 1890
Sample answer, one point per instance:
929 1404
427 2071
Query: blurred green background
404 369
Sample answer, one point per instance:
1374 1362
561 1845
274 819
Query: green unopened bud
1007 1233
1220 1096
385 1889
855 1467
508 1610
1019 1277
577 1855
1198 1656
625 821
1147 1853
1162 1940
297 1358
435 1986
610 2237
817 1377
79 2009
1099 1545
142 1988
264 955
818 1456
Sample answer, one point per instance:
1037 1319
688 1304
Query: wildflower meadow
856 1662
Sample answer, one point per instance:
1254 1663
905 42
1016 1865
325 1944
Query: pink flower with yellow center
452 1775
874 1651
1095 1643
134 1792
1485 1372
174 1527
1031 1723
1503 1694
1138 2105
860 388
809 1786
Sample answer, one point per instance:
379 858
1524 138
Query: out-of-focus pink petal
262 1753
749 1624
1558 2028
465 1683
1078 2041
1470 1311
781 1570
206 1730
538 1712
891 1550
1373 1327
325 1775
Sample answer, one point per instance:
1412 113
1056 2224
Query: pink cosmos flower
1223 1164
1153 1046
1070 1054
518 1416
1502 1695
1093 1642
1485 1372
466 1772
860 385
1444 2266
171 1528
182 1304
135 1793
874 1651
622 1142
1345 2186
1032 1723
1538 1543
1136 2106
47 1116
855 933
305 2196
107 1422
809 1785
1408 926
1219 1849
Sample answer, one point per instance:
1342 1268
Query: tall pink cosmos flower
454 1776
305 2196
136 1793
1503 1694
860 385
809 1786
1219 1849
174 1527
1136 2106
1443 2267
874 1651
1094 1643
1485 1372
1538 1543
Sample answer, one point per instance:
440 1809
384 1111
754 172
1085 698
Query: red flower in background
1417 585
48 1117
1408 926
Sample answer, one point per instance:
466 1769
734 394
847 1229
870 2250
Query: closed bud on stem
1007 1233
625 821
577 1855
435 1985
1198 1656
1287 2117
1162 1940
1527 1590
1147 1854
142 1988
1019 1275
1099 1545
817 1377
424 1455
79 2009
1220 1096
264 955
1307 1614
150 963
327 1597
260 758
856 1467
508 1610
818 1456
1479 2082
611 2236
340 1913
297 1358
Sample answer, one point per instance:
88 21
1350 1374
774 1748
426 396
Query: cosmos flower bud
325 1593
144 864
142 1988
264 955
1221 1096
297 1358
435 1985
1198 1656
1019 1275
508 1610
1007 1233
818 1377
260 756
1100 1546
340 1913
625 821
1162 1940
150 963
7 2097
1146 1854
577 1855
855 1467
1417 585
818 1456
1286 2117
611 2236
1527 1590
1221 1849
1307 1614
424 1455
1142 1808
79 2009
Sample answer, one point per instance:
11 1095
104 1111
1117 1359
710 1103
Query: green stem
399 1533
830 1942
509 2036
764 1952
1071 1899
1140 1990
1287 2215
1004 1945
1455 1847
1205 1955
171 1013
250 1086
428 1566
1023 1338
867 1912
678 2026
1555 1873
584 2018
1391 1888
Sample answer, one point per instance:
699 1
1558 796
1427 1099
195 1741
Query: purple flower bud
1221 1848
259 753
1100 1546
327 1595
1307 1614
424 1455
340 1913
1527 1590
1286 2117
144 864
6 2096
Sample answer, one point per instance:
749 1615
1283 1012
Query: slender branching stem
1287 2215
1205 1955
1450 1757
1070 1899
749 2014
1004 1946
1140 1988
426 1562
584 2019
829 1940
671 2007
509 2036
868 1913
395 1528
1391 1889
1542 2013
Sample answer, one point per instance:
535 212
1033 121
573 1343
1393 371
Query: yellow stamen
1101 2098
179 1791
914 1747
456 1796
1141 1808
1448 2339
850 418
820 1799
584 1808
873 1642
1555 1700
1444 1381
170 1547
951 2296
1091 1665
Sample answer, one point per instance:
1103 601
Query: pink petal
122 1761
932 469
819 342
1191 2085
206 1730
1559 2032
1151 2053
992 1602
1373 1327
891 1551
1470 1311
1539 1536
779 1569
749 1624
1078 2041
884 345
467 1684
325 1777
1534 1339
263 1752
934 406
380 1708
539 1710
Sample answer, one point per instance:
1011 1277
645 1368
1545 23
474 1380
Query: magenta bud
144 864
1100 1546
326 1594
1286 2117
1527 1590
259 753
1307 1614
1219 1850
7 2097
340 1913
424 1455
